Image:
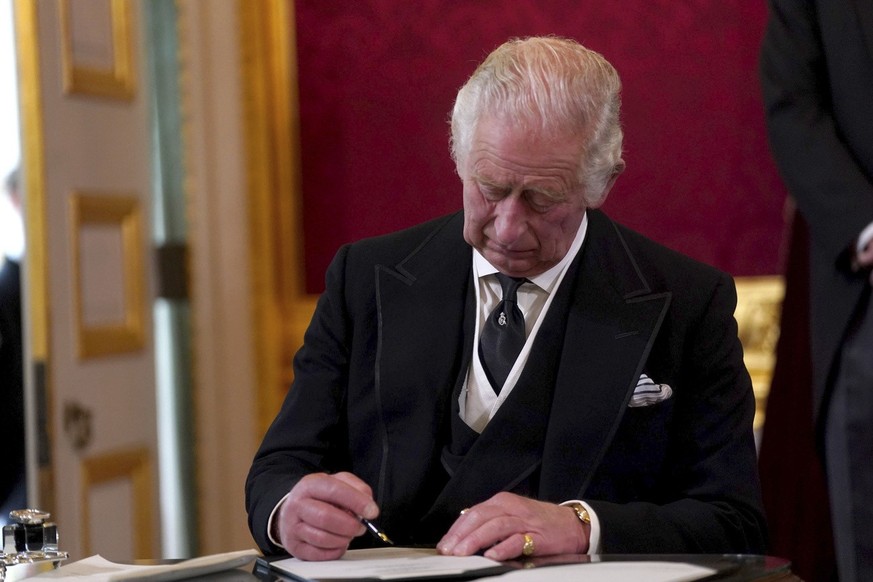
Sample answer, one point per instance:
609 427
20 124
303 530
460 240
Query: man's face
522 200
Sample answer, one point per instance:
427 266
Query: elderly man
525 377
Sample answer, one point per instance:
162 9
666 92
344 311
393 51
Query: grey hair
550 84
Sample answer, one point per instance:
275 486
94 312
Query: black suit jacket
817 79
391 337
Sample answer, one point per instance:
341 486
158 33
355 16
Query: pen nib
376 531
385 538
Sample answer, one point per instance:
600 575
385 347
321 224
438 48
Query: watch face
581 513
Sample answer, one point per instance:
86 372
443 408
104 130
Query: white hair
552 84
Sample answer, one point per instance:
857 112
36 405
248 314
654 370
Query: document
99 569
650 571
389 564
411 563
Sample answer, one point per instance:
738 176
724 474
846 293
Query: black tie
503 334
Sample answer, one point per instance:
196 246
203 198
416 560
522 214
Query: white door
89 285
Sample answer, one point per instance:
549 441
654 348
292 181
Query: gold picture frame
96 48
109 314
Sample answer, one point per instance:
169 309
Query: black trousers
849 451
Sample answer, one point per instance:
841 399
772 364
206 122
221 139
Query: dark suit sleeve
305 437
707 499
832 190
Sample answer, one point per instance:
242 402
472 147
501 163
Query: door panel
90 207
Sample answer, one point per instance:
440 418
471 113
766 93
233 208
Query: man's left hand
500 526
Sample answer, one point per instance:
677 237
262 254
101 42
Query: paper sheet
385 564
650 571
99 569
408 563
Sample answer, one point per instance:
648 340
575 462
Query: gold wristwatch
581 513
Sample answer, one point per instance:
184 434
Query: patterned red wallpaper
378 78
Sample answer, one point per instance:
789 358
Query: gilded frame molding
41 479
125 213
136 466
115 81
282 308
758 315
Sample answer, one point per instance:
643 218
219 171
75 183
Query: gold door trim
37 276
136 466
282 308
124 213
115 80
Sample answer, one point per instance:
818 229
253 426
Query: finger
313 554
310 522
512 547
354 481
371 510
330 519
344 491
500 505
305 551
478 529
327 538
468 520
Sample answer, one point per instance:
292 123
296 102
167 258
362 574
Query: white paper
650 571
99 569
384 564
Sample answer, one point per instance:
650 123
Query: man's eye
491 192
539 201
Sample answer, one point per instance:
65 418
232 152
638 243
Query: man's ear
616 172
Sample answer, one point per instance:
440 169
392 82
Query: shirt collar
545 281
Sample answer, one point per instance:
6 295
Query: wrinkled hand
318 519
499 524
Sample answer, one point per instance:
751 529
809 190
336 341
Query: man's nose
510 220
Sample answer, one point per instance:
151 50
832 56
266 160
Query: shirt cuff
864 238
594 535
270 520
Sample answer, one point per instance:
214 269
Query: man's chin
513 267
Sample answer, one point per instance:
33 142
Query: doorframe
39 401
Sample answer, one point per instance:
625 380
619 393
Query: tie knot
510 285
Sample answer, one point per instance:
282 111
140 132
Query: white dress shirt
478 403
865 237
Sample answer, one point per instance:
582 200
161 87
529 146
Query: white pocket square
648 392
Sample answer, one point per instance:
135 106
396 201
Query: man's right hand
319 518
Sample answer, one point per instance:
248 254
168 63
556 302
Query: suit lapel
417 301
611 325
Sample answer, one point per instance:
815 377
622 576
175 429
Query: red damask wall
378 78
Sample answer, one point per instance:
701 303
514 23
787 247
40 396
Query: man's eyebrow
557 195
489 181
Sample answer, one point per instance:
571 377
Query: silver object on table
30 545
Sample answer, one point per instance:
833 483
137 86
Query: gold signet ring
528 548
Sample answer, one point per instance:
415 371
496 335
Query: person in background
525 377
12 469
817 79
